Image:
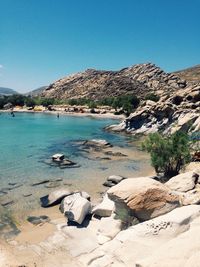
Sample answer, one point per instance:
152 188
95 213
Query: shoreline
108 115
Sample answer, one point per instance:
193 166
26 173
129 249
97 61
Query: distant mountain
190 74
140 80
36 92
7 91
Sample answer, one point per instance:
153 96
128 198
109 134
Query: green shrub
152 97
168 154
46 102
29 102
92 105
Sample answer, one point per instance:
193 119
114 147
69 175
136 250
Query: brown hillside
93 84
191 74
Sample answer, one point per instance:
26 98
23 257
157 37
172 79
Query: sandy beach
61 111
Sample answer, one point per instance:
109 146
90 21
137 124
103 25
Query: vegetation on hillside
125 103
168 153
152 97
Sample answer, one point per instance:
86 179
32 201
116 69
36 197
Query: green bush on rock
168 154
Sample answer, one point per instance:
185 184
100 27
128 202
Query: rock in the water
143 198
7 202
52 184
75 208
41 182
54 197
97 142
183 182
38 220
115 178
115 154
109 183
58 157
105 208
27 194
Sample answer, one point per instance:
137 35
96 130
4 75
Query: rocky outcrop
93 84
143 244
177 111
142 198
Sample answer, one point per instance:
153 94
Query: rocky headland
178 110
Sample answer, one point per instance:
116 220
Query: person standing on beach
58 115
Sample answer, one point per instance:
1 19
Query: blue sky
44 40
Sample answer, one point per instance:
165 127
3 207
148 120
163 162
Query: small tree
168 154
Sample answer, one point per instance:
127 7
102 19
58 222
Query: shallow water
27 140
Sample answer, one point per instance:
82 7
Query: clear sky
44 40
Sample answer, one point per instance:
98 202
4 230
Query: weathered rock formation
93 84
142 198
179 110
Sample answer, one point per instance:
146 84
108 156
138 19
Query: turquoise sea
28 139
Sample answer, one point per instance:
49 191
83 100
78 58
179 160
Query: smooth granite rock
143 198
183 182
75 208
54 198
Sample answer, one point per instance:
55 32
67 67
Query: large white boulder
143 198
115 179
75 208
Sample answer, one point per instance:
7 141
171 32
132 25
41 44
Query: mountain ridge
138 79
7 91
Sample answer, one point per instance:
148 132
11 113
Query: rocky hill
93 84
191 74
